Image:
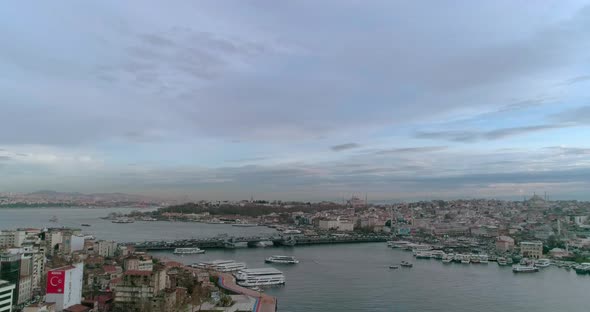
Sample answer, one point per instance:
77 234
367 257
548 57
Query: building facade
64 286
533 250
6 293
504 243
106 248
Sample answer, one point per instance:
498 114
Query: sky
296 100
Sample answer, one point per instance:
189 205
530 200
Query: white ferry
465 259
292 232
398 244
542 263
281 260
448 258
524 269
260 277
188 251
419 248
483 259
220 265
502 261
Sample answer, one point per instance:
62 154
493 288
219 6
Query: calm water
356 277
351 277
129 232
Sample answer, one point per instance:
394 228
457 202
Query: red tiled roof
109 269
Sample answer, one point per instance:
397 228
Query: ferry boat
220 265
542 263
281 260
474 258
260 277
188 251
123 220
394 266
583 268
53 219
458 258
502 261
519 268
290 231
245 224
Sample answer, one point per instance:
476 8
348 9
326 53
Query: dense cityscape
64 269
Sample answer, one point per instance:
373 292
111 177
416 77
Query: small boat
394 267
406 264
423 255
188 251
519 268
85 224
53 219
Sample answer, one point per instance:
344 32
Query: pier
285 240
264 303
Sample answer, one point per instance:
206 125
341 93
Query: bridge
234 242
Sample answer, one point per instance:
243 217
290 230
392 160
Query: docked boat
437 254
448 258
583 268
281 260
188 251
398 244
53 219
245 224
260 277
234 244
406 264
264 244
474 259
519 268
291 231
420 248
220 265
542 263
483 259
423 255
502 261
466 259
457 258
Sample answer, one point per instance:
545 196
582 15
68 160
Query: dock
264 302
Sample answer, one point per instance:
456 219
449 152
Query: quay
293 240
264 302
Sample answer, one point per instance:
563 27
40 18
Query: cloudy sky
296 99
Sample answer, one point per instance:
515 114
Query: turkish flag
56 282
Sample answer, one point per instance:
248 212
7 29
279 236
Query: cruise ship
220 265
260 277
281 260
188 251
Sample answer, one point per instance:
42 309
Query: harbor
341 271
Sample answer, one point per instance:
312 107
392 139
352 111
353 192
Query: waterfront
129 232
355 277
349 277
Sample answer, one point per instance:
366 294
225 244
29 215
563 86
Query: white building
533 250
64 286
6 291
329 224
12 238
106 248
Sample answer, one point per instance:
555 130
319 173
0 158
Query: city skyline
296 101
